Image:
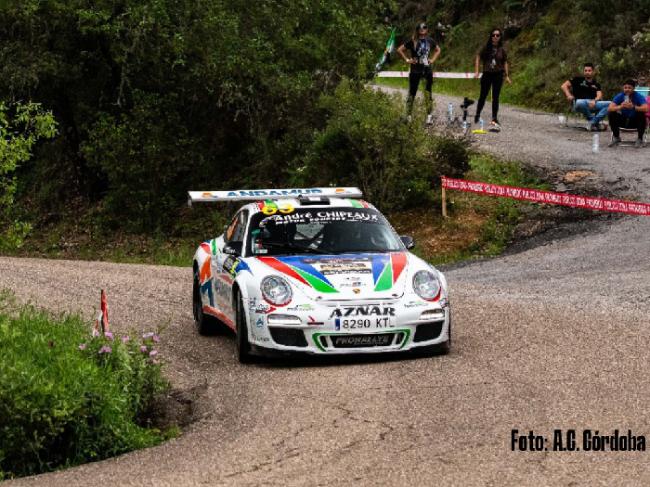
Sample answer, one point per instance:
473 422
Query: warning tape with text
548 197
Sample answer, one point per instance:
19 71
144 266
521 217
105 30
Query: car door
225 262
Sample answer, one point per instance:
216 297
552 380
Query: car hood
344 276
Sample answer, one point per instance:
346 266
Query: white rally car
319 271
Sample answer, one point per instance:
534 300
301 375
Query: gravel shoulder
554 336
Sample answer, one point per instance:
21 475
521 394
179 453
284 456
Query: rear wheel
243 346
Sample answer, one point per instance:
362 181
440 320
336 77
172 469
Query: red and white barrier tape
548 197
405 74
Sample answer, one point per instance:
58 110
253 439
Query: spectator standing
628 110
494 58
420 52
586 97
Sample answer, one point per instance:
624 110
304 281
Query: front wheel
243 346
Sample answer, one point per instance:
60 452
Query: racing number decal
271 208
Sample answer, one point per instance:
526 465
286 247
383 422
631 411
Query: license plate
364 324
358 341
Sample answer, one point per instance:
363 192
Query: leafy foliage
155 97
21 125
67 398
368 142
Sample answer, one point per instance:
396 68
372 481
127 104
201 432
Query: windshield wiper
293 246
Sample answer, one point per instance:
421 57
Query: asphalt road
556 336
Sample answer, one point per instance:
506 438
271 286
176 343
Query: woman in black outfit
495 66
420 51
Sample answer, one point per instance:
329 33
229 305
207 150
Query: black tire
243 346
205 324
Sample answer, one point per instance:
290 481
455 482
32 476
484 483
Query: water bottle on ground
481 124
595 144
465 126
450 112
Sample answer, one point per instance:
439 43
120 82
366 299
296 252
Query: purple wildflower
153 353
125 338
148 335
155 338
82 346
95 333
105 349
144 349
108 335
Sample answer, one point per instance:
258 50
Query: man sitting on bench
627 110
586 97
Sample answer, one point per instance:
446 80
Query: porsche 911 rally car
316 270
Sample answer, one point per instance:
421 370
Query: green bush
68 398
368 142
21 126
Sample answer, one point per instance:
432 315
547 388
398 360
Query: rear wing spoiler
269 194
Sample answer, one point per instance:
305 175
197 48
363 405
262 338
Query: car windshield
321 231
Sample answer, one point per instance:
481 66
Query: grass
67 398
478 226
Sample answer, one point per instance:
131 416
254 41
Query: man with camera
627 110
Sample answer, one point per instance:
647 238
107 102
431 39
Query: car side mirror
408 241
233 248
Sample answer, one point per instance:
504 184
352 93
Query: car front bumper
416 324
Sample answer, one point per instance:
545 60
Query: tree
21 126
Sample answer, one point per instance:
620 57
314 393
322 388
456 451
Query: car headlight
276 290
426 285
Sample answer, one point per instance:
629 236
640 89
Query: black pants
494 81
618 121
415 76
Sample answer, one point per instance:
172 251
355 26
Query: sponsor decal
351 284
337 215
356 290
234 266
317 217
416 304
302 307
274 192
353 281
353 311
263 308
344 266
260 322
